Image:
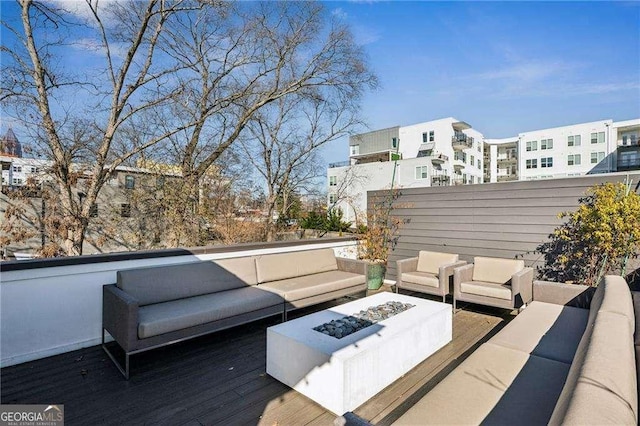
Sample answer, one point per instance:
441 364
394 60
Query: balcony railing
462 142
629 164
438 157
339 164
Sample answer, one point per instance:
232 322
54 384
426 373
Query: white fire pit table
341 374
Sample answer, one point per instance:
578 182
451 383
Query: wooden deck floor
218 379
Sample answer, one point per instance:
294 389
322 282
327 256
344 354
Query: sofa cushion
164 283
430 261
276 267
495 385
545 330
184 313
495 270
617 298
488 289
311 285
601 387
422 278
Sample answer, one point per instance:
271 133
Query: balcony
440 179
439 158
461 142
507 158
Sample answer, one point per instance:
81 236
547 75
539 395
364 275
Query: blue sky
503 67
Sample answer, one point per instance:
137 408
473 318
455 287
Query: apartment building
586 148
438 152
450 152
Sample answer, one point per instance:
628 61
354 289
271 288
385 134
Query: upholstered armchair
503 283
430 272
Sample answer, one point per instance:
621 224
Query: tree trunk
270 231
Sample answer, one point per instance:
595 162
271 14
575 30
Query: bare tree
240 60
77 118
284 140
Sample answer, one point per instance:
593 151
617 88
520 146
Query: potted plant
378 238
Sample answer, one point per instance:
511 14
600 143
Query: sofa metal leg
124 371
444 296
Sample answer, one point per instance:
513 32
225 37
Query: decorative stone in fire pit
345 326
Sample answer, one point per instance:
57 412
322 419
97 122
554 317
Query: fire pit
345 326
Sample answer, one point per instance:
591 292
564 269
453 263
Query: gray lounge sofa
152 307
568 358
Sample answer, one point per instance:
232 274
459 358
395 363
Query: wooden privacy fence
495 220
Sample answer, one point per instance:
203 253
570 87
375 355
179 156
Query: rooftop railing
339 164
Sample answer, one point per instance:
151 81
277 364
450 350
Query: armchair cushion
430 261
495 270
488 289
422 278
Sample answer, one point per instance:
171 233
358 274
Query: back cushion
275 267
495 270
617 298
430 261
165 283
602 386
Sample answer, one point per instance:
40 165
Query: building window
546 144
597 137
479 165
532 164
472 160
546 162
129 182
394 142
421 172
432 136
125 210
574 140
532 146
332 198
597 157
93 211
354 149
333 180
573 160
17 168
17 181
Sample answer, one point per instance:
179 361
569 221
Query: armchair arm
575 295
460 275
352 265
405 265
120 315
446 271
522 285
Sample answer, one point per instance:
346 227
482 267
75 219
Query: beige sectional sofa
568 358
152 307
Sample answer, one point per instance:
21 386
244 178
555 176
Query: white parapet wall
46 311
